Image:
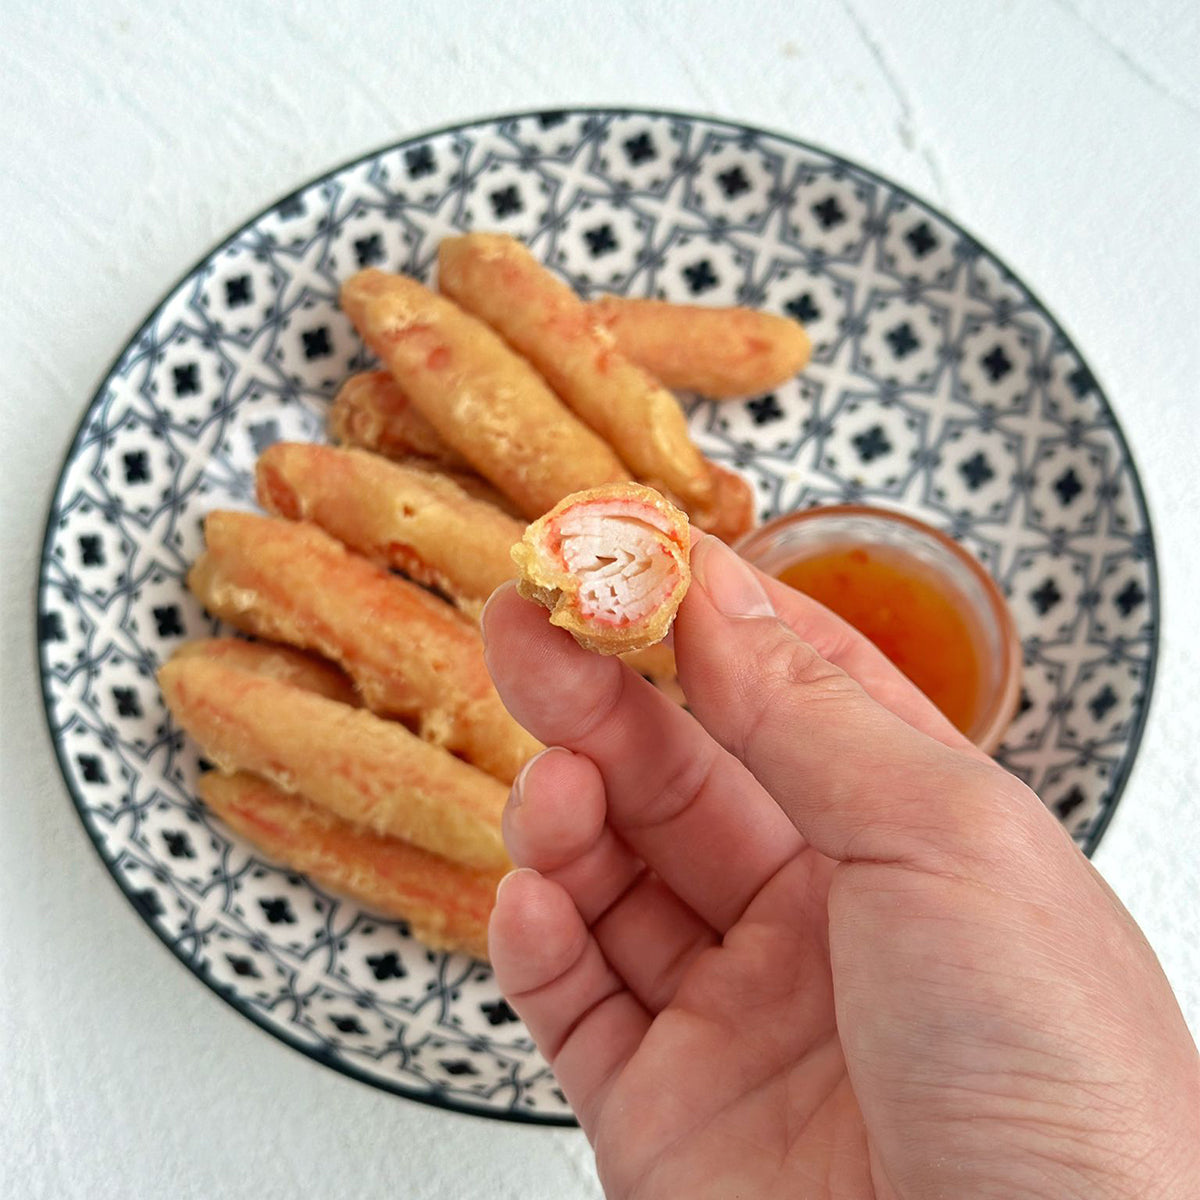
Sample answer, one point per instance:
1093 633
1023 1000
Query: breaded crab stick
717 352
357 765
728 513
445 904
482 398
419 523
611 565
500 281
411 655
290 666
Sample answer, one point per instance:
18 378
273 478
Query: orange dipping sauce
908 612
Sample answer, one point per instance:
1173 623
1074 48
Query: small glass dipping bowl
921 552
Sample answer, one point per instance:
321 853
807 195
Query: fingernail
516 795
505 878
729 581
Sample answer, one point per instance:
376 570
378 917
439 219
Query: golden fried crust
657 661
611 565
717 352
730 512
482 398
499 280
290 666
371 411
410 654
474 485
413 521
357 765
445 904
656 664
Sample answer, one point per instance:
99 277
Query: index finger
858 781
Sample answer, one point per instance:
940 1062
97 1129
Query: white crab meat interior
623 557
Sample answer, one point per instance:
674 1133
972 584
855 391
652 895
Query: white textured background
1063 133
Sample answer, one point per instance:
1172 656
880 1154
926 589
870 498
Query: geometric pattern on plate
939 386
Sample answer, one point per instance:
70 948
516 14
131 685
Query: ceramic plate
939 386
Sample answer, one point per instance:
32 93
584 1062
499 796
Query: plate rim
317 1053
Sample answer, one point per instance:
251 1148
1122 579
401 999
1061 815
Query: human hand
810 942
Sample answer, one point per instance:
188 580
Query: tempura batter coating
500 281
290 666
411 655
372 411
717 352
730 511
413 521
474 485
357 765
483 399
445 904
611 565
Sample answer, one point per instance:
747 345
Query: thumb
855 779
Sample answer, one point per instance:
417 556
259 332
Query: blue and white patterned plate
939 386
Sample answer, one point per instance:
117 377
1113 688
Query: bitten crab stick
371 410
481 397
718 352
419 523
411 655
277 662
499 280
347 760
445 904
404 518
611 565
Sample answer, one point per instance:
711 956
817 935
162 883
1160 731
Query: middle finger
555 822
